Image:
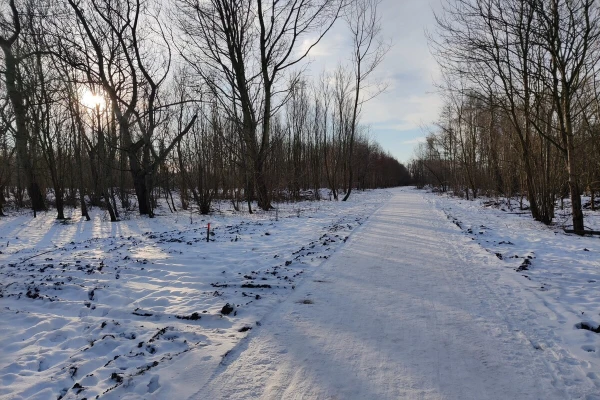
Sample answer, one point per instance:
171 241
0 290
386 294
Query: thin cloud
417 140
410 102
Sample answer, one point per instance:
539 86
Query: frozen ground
425 301
413 308
94 308
557 274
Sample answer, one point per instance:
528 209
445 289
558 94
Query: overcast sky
399 117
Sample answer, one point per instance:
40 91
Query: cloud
411 104
417 140
394 111
330 45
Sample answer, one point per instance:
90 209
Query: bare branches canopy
521 79
115 104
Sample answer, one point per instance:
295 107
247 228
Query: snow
561 284
425 301
99 308
411 308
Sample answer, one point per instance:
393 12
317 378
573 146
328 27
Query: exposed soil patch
588 327
524 265
256 286
194 317
227 309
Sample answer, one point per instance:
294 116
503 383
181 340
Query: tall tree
242 49
368 51
131 69
10 31
570 32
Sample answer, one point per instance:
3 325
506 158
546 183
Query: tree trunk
350 179
2 200
262 191
22 135
574 190
531 191
141 192
60 205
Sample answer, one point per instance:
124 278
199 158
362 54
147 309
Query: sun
93 100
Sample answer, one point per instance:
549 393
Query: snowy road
408 309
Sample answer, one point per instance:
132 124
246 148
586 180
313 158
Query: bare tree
122 65
91 106
368 51
242 49
10 31
570 32
490 45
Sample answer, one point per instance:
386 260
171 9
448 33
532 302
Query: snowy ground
557 273
433 298
413 308
99 308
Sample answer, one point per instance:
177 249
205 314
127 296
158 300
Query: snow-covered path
411 313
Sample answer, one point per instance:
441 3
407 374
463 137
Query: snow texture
99 308
412 308
433 298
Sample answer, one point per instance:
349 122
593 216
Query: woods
116 104
521 103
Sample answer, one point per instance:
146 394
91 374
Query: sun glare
91 100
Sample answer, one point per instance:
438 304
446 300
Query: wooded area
521 110
117 103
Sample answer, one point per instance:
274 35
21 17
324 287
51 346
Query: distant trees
105 104
519 82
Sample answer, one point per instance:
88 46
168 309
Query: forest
120 103
521 115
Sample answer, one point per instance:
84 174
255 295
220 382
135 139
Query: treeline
115 104
522 110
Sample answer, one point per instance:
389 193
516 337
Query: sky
400 117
